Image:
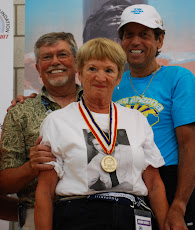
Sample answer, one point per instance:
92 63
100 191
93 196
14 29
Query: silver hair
53 38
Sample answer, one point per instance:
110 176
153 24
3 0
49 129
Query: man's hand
20 99
175 220
40 154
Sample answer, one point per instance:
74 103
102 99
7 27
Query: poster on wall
91 18
6 57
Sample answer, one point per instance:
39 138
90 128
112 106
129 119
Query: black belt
135 202
122 198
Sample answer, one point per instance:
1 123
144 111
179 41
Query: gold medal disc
109 164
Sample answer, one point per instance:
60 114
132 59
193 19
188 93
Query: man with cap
165 95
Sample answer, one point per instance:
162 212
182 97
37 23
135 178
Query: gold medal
109 164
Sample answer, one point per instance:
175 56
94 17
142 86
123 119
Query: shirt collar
79 91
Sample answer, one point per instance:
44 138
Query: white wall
18 78
4 225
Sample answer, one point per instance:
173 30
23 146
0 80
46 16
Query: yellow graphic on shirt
149 107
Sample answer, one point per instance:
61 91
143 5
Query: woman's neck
97 105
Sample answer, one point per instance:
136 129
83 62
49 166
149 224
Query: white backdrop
6 65
6 56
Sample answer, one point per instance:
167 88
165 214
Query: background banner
87 19
6 56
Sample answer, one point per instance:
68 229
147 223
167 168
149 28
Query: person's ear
118 79
38 69
160 41
79 75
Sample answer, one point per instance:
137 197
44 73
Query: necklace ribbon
107 144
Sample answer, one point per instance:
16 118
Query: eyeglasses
61 56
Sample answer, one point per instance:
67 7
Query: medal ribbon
107 144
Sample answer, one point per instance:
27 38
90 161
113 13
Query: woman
100 64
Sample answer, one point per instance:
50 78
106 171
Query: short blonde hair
101 49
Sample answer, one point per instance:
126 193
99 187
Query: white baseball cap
142 14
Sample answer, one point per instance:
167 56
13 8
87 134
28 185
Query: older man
20 159
165 95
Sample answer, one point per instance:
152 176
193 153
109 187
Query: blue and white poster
6 57
87 19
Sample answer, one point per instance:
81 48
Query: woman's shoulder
63 113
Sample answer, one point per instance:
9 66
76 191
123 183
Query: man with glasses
21 155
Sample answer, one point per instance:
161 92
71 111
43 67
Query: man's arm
20 99
156 194
44 200
13 180
186 176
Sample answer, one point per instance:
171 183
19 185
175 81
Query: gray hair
53 38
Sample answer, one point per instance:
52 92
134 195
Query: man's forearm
13 180
176 213
186 170
186 179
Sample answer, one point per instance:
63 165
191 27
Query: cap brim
145 23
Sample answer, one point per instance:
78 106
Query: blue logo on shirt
137 11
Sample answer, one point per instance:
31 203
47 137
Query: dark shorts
169 177
85 214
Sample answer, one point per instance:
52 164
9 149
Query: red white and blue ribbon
107 143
